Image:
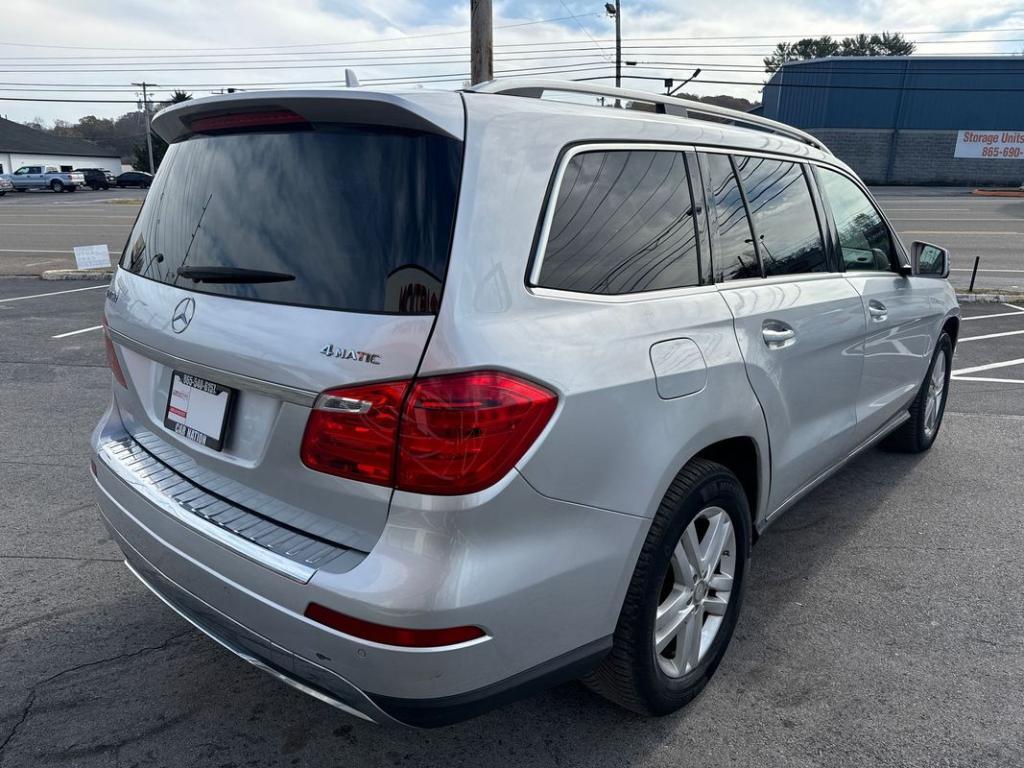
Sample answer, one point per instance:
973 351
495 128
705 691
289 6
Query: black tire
72 189
631 675
914 435
3 193
57 186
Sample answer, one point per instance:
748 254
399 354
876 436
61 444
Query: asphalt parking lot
39 229
883 623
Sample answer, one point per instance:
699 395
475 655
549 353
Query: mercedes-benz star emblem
183 314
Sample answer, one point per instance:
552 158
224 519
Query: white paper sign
92 256
994 145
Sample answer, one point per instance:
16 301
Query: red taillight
352 432
112 361
243 120
457 434
463 433
379 633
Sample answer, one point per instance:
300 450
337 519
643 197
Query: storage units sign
996 145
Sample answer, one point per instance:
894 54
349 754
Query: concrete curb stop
78 274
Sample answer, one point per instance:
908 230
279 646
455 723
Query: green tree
884 44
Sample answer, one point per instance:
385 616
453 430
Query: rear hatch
283 250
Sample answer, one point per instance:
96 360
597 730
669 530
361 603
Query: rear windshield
361 218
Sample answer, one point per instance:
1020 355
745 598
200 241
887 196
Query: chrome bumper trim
253 536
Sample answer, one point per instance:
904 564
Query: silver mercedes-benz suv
424 401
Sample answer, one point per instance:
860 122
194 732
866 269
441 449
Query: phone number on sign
1002 152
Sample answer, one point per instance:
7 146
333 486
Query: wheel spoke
721 582
714 542
688 647
716 606
682 567
668 626
691 547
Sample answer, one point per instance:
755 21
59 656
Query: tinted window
734 257
863 236
780 204
623 223
361 217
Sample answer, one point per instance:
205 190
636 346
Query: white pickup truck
46 177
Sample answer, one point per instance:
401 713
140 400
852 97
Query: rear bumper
543 578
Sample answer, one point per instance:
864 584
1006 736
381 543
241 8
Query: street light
615 12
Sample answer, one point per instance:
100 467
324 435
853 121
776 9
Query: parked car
98 178
135 179
512 403
5 185
46 177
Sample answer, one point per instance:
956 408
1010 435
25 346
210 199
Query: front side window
863 235
623 222
788 236
734 257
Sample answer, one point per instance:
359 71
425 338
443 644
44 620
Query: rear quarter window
623 222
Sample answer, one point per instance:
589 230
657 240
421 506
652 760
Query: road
966 224
883 624
39 229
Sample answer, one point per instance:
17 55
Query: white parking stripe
1014 306
984 378
30 250
991 336
75 333
987 367
965 319
54 293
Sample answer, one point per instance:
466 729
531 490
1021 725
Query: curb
989 298
77 274
999 192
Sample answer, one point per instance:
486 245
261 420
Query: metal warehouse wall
895 119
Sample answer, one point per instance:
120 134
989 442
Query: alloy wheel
936 394
696 592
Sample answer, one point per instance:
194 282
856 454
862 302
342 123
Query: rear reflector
112 361
442 435
379 633
243 120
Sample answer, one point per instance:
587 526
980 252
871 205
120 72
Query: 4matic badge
351 354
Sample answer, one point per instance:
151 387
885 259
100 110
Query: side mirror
929 260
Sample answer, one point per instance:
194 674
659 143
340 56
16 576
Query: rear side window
359 218
863 236
734 257
623 222
788 237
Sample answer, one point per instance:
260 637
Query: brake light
243 120
443 435
380 633
112 361
352 432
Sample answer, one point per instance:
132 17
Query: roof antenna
351 81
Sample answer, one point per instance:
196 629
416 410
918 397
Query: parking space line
30 250
1014 306
991 336
979 317
985 378
75 333
987 367
53 293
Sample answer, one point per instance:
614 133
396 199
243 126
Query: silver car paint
559 535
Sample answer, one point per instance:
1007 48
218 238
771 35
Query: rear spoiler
429 111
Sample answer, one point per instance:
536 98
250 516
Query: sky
94 50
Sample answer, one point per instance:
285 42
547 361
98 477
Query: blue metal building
885 115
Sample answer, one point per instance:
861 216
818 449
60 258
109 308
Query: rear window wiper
232 275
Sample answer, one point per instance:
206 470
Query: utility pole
481 41
145 106
616 11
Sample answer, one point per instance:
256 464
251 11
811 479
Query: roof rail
535 88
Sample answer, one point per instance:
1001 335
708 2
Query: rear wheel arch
742 457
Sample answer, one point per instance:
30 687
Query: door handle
877 310
777 334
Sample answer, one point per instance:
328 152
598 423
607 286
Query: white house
21 145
